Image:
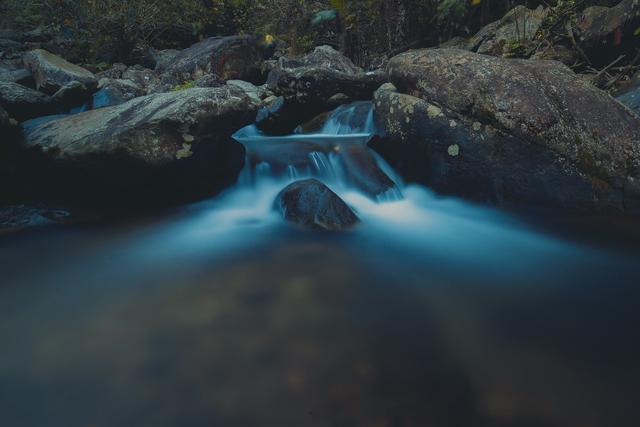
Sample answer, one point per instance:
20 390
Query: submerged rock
156 149
52 72
312 204
233 57
23 103
510 131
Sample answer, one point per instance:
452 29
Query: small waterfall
337 154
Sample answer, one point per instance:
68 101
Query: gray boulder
52 72
312 204
510 131
23 103
233 57
162 148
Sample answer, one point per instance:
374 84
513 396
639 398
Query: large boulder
156 149
511 131
23 103
604 33
307 85
312 204
234 57
52 72
516 28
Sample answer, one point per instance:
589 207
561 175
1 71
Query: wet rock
312 204
307 84
604 33
338 99
51 72
509 131
23 103
234 57
156 149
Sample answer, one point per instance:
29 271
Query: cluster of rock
461 118
597 35
510 131
149 137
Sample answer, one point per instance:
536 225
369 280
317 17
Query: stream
431 312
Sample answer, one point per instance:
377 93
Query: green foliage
184 86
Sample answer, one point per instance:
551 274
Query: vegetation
113 30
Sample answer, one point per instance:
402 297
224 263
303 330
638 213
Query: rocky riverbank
468 121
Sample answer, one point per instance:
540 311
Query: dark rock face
510 131
312 204
156 149
604 33
308 84
23 103
52 72
234 57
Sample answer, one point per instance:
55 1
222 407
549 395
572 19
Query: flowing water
432 312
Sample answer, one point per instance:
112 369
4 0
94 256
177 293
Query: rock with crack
509 131
156 149
311 204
